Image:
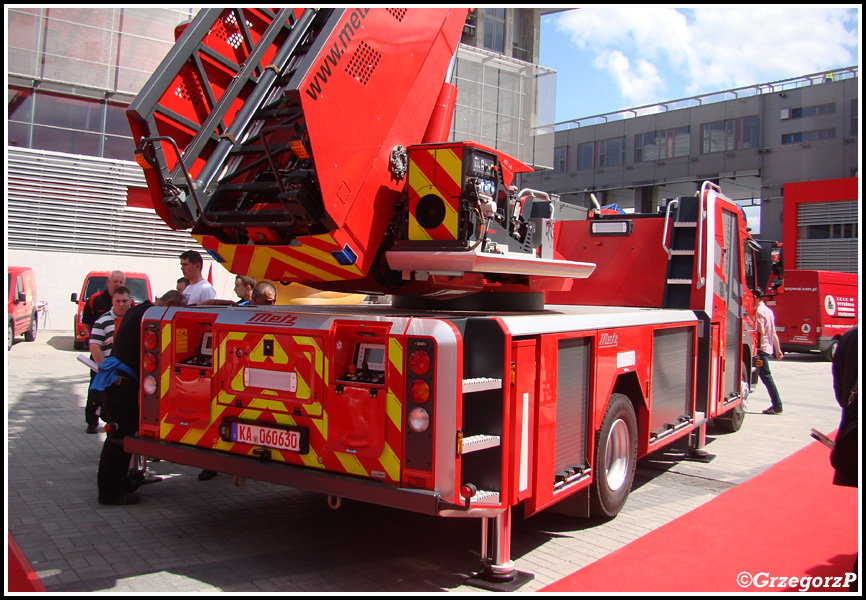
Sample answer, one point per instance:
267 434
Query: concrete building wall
791 146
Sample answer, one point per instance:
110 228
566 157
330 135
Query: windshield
137 287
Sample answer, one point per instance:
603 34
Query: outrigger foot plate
487 580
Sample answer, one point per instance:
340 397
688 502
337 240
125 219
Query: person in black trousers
121 404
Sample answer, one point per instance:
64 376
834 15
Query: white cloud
639 84
712 48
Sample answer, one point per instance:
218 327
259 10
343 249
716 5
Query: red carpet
789 521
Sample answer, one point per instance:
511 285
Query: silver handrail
701 214
671 204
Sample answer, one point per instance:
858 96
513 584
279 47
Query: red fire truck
814 309
306 146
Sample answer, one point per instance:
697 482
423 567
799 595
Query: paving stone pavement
189 536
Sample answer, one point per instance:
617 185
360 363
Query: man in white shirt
198 289
768 345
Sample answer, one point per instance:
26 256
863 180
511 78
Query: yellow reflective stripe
193 436
322 425
164 382
394 409
390 462
308 341
350 463
166 336
451 164
416 232
395 354
263 256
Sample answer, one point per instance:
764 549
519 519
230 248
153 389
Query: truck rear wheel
732 421
615 458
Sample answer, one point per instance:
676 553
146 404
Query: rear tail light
150 339
148 361
152 333
419 362
419 420
420 415
149 384
419 391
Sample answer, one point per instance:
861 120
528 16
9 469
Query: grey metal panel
671 377
572 404
822 213
828 255
66 203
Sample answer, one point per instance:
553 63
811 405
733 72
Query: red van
22 304
814 309
96 281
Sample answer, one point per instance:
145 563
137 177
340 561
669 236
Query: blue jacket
109 372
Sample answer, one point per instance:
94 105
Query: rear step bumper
421 501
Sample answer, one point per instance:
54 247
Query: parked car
97 281
21 309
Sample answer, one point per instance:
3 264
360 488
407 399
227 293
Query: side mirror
22 297
73 298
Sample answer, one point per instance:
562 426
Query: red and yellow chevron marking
302 353
436 172
299 355
309 261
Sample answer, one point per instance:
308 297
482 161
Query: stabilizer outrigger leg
498 574
697 443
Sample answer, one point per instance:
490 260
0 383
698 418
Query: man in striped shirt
102 332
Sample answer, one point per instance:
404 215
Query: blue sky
612 57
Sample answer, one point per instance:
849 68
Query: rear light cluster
420 403
149 359
420 388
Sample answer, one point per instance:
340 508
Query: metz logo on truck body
263 318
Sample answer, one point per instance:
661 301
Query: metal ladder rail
190 47
248 72
260 93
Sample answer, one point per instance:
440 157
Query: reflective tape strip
351 464
390 462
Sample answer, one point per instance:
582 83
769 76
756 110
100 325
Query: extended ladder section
262 126
213 122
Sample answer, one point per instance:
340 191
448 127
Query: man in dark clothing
97 305
121 405
846 365
845 456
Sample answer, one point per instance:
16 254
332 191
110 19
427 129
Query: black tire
732 421
615 458
30 334
830 352
11 336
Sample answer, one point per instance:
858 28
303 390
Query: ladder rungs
480 384
485 497
680 281
474 443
